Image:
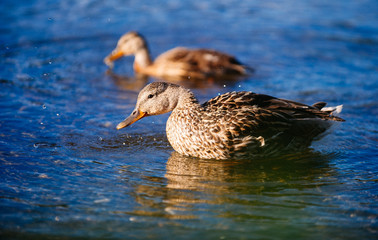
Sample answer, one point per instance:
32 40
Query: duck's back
269 117
199 63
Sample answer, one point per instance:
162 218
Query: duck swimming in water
233 123
179 63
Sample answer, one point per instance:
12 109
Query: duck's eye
150 96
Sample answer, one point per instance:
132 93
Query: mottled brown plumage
233 123
178 63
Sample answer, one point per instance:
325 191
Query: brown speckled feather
264 116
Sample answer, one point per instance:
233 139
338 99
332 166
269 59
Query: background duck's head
129 44
154 99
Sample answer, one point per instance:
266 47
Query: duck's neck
187 100
182 124
142 60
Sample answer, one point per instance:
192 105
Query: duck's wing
175 64
253 102
204 62
263 115
217 63
174 55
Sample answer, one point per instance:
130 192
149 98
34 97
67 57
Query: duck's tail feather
334 112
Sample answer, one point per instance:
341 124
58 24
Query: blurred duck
232 124
178 63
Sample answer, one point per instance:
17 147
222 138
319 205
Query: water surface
67 173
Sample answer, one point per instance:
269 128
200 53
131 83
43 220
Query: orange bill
112 57
115 55
135 116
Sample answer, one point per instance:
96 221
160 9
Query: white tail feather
335 110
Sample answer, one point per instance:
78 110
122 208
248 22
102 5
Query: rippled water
67 173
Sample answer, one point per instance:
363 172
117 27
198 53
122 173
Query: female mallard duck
177 63
232 123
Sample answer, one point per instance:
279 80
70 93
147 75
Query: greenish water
66 173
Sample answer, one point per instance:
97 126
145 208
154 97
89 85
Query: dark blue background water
66 172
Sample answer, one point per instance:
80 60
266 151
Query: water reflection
134 83
263 183
196 174
138 81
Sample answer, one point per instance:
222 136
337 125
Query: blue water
67 173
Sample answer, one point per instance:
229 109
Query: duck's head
154 99
129 44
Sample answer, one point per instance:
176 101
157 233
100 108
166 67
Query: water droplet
43 106
104 200
240 86
41 123
50 62
123 143
35 145
43 175
57 114
100 138
188 77
224 85
50 19
170 210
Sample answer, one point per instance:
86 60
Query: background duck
231 123
177 63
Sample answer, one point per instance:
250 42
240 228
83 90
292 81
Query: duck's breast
190 135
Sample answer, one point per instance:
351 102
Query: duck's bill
112 57
135 116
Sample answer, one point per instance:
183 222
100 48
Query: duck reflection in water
138 81
133 83
262 182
